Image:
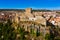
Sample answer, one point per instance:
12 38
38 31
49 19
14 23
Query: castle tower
28 12
16 18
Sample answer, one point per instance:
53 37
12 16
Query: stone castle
28 15
28 18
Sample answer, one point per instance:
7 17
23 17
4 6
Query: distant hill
21 10
43 10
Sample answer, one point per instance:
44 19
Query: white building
53 22
32 18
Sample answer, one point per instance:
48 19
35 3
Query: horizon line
33 8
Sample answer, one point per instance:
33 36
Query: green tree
47 37
7 31
21 32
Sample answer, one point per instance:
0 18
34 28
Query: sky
35 4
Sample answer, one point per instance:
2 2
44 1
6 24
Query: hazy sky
35 4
